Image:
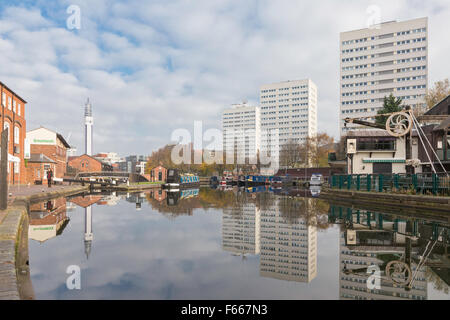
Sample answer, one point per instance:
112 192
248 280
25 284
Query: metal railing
419 183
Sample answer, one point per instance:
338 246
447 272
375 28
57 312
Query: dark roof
439 108
444 124
40 158
17 96
64 142
368 133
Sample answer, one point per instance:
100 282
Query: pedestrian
49 177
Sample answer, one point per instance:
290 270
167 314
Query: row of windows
422 86
384 63
412 59
363 75
384 54
12 105
284 89
383 36
406 97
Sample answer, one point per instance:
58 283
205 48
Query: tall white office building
391 57
291 107
241 131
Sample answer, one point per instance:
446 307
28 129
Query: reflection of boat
173 197
315 191
175 179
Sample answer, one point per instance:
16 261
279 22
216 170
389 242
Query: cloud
152 67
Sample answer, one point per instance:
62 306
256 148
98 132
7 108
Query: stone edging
433 203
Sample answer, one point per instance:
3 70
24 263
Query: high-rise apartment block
241 131
291 107
391 57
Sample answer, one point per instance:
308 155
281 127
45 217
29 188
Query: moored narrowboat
176 180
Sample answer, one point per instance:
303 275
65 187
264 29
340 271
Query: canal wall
380 200
137 187
15 282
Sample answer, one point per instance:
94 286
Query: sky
151 67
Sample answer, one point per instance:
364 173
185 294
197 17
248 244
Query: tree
290 154
317 148
390 104
440 91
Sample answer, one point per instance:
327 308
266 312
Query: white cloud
155 66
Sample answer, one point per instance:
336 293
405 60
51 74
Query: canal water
232 244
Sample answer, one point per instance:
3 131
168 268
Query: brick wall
85 163
54 152
14 117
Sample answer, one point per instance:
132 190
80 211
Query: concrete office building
291 107
391 57
241 131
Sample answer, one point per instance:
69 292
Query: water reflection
275 232
409 253
47 219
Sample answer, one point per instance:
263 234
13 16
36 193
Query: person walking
49 177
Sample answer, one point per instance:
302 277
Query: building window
9 103
381 143
14 106
18 109
16 135
6 127
3 99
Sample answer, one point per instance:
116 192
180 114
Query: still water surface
233 244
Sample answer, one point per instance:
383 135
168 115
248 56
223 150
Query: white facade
291 107
391 57
241 131
375 151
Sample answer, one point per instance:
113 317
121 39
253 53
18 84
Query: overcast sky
150 67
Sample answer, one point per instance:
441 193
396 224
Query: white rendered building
391 57
291 107
241 132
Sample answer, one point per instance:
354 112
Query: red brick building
12 116
37 166
86 163
52 145
158 173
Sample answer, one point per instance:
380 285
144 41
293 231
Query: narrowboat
177 180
